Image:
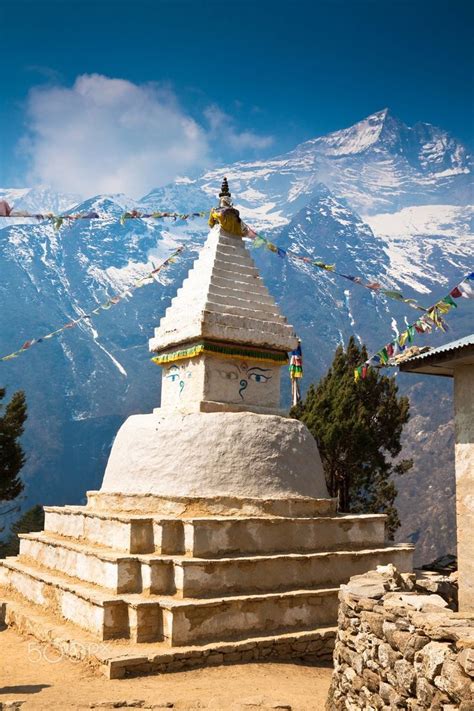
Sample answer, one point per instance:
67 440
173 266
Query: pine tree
32 520
12 457
358 427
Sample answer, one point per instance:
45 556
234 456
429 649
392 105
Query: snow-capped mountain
40 199
379 165
380 199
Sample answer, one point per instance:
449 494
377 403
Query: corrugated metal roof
453 346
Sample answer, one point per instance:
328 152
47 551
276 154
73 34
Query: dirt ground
33 674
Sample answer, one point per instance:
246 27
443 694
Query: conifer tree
358 426
32 520
12 456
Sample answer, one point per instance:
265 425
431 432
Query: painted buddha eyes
255 374
259 377
173 373
228 374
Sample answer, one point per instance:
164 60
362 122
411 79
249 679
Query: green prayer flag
449 300
258 242
392 294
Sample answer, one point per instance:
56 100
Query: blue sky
228 80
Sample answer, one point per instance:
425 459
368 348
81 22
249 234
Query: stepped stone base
211 576
117 661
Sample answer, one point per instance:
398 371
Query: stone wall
398 648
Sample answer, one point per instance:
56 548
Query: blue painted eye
172 377
259 378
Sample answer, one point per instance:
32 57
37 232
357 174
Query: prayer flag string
433 317
102 307
393 352
58 220
259 241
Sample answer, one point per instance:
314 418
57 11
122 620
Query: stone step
227 295
200 621
107 616
121 658
250 294
248 275
86 606
191 577
215 536
196 578
186 508
218 536
177 622
239 325
98 565
129 533
269 315
233 256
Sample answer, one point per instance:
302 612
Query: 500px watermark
76 652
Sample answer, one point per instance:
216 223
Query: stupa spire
223 340
225 192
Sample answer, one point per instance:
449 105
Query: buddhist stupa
212 538
220 431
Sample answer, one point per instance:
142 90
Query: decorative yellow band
222 351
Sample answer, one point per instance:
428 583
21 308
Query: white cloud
106 135
110 135
223 127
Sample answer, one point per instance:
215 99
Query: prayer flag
258 242
396 295
402 338
466 290
449 300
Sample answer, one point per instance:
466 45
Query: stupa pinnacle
223 340
224 189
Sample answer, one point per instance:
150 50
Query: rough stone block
424 691
371 680
387 656
374 622
405 674
454 682
431 658
423 602
466 660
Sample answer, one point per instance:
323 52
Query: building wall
464 453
